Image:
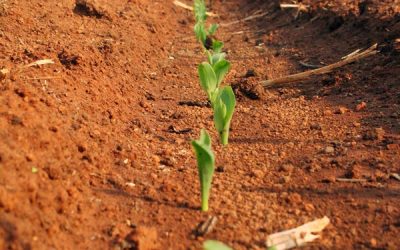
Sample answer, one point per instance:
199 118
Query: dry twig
39 62
395 176
353 57
5 73
206 226
298 236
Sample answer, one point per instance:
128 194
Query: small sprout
203 35
200 11
205 164
224 107
215 245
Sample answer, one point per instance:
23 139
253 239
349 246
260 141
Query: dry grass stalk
353 57
39 62
187 7
257 15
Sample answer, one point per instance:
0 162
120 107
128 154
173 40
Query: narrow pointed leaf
219 114
208 79
228 98
213 28
200 32
221 68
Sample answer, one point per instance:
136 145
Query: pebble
156 159
341 110
327 112
309 207
315 126
294 198
373 242
361 106
329 150
285 179
287 168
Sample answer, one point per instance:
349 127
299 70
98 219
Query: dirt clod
142 238
91 8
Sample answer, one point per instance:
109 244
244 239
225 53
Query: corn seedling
213 72
205 164
215 245
223 111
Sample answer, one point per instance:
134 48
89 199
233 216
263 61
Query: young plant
203 34
213 72
224 107
205 164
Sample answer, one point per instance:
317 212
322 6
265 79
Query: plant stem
224 135
204 200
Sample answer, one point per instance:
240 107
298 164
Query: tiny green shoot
205 164
224 107
203 34
215 245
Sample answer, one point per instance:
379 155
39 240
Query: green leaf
228 98
216 57
205 164
215 245
212 29
219 114
200 10
208 79
200 32
217 46
221 68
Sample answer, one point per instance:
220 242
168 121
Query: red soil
101 126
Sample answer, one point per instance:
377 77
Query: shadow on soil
147 198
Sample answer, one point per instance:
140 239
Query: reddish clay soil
108 126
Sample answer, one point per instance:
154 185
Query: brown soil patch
95 149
